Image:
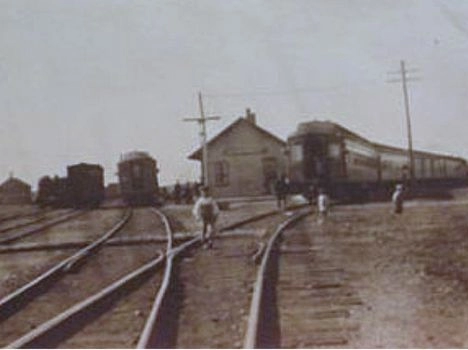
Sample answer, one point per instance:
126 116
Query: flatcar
327 155
138 178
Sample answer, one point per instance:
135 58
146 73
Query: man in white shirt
207 211
323 204
397 199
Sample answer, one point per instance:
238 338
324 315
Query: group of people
322 199
185 193
206 209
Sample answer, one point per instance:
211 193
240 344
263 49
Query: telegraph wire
306 90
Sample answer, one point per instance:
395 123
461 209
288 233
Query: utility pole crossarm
202 122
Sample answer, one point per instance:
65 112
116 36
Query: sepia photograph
233 174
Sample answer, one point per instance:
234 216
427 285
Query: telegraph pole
404 79
202 122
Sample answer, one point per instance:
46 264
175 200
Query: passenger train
138 178
327 155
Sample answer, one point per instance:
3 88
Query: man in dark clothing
177 192
281 190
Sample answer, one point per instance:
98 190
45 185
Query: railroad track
26 228
207 299
6 217
120 315
19 309
301 298
25 216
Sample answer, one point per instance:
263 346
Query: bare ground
410 270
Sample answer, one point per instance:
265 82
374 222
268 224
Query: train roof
397 150
135 155
84 166
328 127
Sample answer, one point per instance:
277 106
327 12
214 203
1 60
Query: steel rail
32 216
259 217
151 337
49 224
22 215
253 338
13 302
55 330
155 334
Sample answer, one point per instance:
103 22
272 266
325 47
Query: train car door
316 165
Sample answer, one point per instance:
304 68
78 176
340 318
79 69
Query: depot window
221 173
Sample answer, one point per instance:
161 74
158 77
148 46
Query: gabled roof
13 181
197 155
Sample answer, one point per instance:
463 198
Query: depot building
243 159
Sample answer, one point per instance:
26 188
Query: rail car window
136 170
296 152
334 150
365 161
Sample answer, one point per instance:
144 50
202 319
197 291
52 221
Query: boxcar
85 185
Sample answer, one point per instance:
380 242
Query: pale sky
84 81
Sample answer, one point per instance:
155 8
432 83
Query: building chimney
250 116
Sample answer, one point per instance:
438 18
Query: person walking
323 205
397 199
281 190
206 210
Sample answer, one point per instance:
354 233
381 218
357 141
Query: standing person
207 211
311 194
281 190
397 199
177 192
187 193
196 189
323 205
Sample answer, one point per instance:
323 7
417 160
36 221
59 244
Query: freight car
138 178
52 192
327 155
85 185
82 188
